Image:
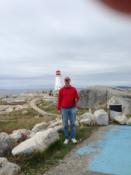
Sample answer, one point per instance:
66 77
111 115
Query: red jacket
67 97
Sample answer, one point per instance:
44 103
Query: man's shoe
74 141
66 141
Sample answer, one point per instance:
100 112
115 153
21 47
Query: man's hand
76 100
59 111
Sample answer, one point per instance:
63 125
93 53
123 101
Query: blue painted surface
86 150
113 152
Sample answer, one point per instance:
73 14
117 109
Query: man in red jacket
67 100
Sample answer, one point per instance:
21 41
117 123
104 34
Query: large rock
6 109
58 128
87 119
8 168
92 97
118 117
114 114
57 125
101 117
129 121
14 100
124 101
18 107
39 142
100 96
20 135
5 144
121 119
39 127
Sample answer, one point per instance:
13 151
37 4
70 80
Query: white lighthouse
57 81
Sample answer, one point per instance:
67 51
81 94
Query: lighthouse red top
58 72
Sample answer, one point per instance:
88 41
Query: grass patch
3 102
129 115
48 106
38 163
51 107
25 118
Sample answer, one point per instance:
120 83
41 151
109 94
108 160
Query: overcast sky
83 39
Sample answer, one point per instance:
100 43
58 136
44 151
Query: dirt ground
75 164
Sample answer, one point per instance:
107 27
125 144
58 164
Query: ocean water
9 92
112 152
4 92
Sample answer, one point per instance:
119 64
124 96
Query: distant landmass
8 92
4 92
124 87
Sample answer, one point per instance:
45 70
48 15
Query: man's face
67 82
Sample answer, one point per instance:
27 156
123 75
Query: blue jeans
69 115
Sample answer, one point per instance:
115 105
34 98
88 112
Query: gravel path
33 105
74 164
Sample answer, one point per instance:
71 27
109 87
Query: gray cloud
84 40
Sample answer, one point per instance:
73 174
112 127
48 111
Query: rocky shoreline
42 135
